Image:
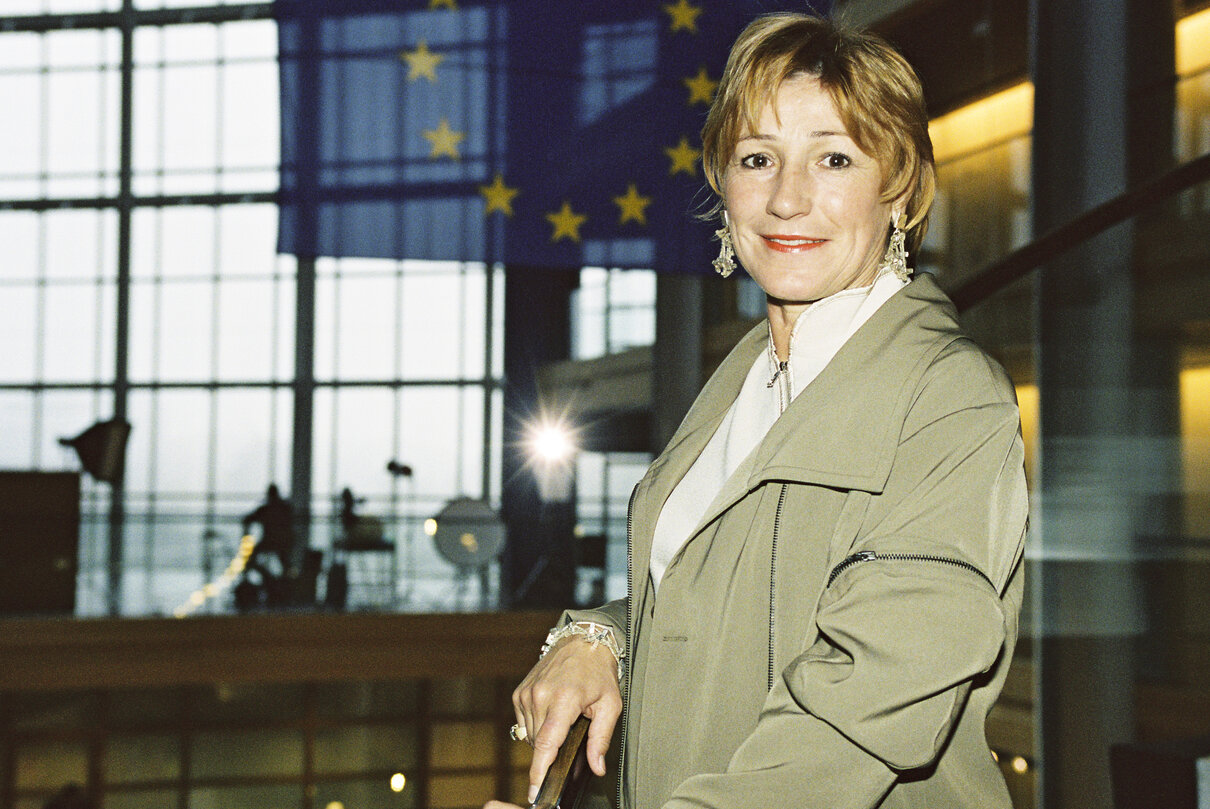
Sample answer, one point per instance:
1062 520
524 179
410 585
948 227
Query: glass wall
1118 622
394 744
145 282
612 310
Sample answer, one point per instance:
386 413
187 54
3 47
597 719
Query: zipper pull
782 367
848 562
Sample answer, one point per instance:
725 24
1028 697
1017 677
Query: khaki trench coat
837 628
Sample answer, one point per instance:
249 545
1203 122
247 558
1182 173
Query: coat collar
816 441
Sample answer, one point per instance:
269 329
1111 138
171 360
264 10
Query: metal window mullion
397 415
304 398
334 430
274 358
216 291
461 362
122 320
41 23
216 281
151 516
220 64
489 348
40 278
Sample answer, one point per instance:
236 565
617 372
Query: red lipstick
783 243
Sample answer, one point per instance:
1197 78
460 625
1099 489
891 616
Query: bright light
335 805
551 443
398 782
1020 765
430 527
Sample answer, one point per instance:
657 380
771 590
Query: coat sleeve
611 614
898 642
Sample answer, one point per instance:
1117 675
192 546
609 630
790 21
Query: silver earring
724 265
895 258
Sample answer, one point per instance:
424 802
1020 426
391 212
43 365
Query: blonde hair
876 92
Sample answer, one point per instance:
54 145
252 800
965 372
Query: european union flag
521 131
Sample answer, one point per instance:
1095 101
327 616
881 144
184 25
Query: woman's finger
604 715
523 705
547 739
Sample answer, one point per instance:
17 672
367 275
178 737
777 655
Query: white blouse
770 386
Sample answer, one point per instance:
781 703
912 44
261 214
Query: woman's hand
574 678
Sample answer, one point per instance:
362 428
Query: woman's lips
792 244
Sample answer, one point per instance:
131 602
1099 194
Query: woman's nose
792 194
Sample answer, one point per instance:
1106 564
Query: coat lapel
843 429
695 431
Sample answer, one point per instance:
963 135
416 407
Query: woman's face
803 202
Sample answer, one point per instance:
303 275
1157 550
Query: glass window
139 799
367 792
251 753
264 796
463 696
450 791
612 310
379 700
243 704
19 332
365 748
49 764
462 744
142 758
144 707
208 381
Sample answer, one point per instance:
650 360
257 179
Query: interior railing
1024 260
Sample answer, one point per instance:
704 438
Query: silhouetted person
276 519
348 515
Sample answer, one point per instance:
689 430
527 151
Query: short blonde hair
876 92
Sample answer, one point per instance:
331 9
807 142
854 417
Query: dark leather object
568 775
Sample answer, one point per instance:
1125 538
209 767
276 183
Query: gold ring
518 733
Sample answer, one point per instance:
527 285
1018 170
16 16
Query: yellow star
499 196
683 15
422 62
701 87
633 205
567 223
683 157
445 140
452 5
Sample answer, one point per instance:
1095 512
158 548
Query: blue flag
521 131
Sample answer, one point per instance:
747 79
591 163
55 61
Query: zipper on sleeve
781 500
870 556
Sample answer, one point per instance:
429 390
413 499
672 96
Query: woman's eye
836 160
756 161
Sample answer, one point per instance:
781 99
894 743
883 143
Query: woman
826 559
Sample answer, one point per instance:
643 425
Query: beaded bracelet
596 634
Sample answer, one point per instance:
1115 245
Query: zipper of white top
870 556
783 393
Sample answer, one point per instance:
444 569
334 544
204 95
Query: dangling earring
895 258
724 265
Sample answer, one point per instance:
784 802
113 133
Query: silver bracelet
596 634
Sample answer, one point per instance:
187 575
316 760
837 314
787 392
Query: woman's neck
782 317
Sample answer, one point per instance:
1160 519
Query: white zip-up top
770 386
